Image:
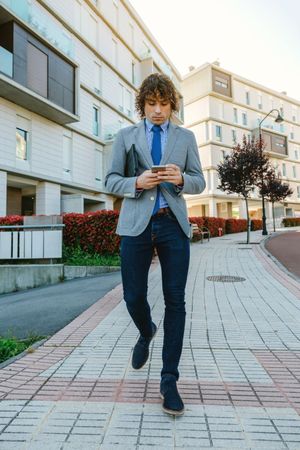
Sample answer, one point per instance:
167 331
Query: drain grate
225 278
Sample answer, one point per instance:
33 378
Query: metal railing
30 241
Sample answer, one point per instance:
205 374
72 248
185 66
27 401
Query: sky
256 39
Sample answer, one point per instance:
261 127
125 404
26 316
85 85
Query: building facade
220 107
69 71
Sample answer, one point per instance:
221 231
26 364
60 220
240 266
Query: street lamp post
278 119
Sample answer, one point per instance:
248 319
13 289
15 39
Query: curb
24 353
275 260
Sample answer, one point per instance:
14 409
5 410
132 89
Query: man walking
154 214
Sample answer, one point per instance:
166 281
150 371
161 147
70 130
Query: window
223 154
97 78
244 118
221 110
233 135
128 107
114 52
221 82
296 154
131 35
121 97
21 144
292 134
298 191
218 132
260 106
96 127
235 115
283 169
206 131
281 127
37 70
294 114
98 165
133 73
67 150
294 172
281 111
116 15
247 97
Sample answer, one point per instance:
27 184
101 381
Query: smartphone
155 169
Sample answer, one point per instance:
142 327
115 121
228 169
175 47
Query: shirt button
152 198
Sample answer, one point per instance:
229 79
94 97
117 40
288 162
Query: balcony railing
6 62
34 17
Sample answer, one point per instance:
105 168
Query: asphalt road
286 248
45 310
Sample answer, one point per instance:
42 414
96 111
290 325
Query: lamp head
279 118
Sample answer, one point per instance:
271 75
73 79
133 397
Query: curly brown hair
156 85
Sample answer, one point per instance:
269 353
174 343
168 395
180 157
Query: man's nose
157 108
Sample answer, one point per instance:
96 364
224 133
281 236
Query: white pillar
3 194
213 208
242 209
47 198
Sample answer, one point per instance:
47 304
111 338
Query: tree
274 189
240 171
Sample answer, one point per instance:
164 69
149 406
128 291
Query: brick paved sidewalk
240 368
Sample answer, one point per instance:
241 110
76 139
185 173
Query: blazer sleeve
115 180
194 182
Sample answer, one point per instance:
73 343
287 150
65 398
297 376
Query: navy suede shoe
172 403
141 350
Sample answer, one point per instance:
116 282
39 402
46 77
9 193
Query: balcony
35 18
6 62
34 76
275 143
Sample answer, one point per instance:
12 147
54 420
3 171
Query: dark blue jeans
173 249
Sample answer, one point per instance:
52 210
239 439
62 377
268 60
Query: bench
203 232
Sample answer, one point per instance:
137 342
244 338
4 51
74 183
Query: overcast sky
256 39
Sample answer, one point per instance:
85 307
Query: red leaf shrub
213 224
256 224
236 225
11 220
291 221
94 232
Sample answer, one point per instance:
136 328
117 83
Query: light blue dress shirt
163 135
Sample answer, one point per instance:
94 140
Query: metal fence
31 241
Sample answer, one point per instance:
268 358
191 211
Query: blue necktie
156 157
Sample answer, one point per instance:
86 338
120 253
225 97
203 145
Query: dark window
37 70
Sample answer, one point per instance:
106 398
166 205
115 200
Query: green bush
75 256
11 346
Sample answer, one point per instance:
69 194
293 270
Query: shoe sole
171 411
148 356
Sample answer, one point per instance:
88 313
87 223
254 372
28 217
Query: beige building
220 107
69 71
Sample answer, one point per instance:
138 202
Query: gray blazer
181 149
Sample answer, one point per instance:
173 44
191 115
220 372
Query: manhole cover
225 278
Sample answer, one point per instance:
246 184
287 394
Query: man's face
157 110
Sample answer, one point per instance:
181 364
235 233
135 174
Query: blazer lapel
141 142
172 137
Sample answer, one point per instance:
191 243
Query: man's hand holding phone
159 174
170 173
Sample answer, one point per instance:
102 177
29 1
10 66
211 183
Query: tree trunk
248 221
273 212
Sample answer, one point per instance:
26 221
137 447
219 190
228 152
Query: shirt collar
149 125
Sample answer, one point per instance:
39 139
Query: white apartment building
69 70
220 107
